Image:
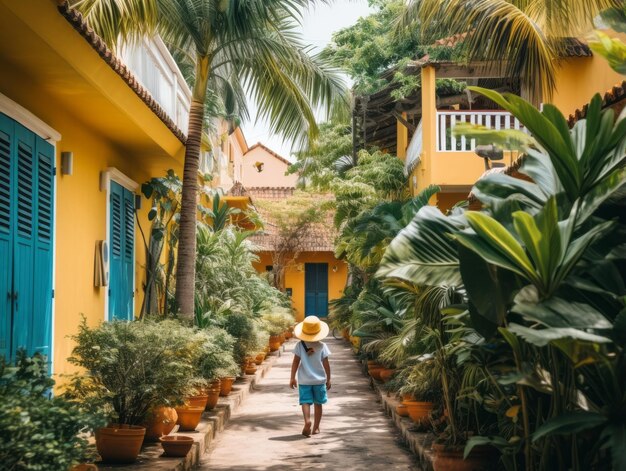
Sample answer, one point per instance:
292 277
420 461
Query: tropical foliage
530 341
226 47
524 39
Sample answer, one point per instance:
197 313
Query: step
213 422
418 442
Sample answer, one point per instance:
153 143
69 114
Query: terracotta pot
226 385
402 410
189 417
259 358
419 411
386 374
407 397
274 342
119 443
177 445
213 396
481 458
197 401
251 369
288 334
282 338
162 421
375 372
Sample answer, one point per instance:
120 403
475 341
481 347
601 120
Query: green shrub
38 432
132 367
216 359
278 320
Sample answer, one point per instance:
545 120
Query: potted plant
423 388
130 369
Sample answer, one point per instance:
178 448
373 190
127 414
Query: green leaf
423 253
496 245
569 423
542 337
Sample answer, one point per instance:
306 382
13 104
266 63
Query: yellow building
309 271
418 129
79 133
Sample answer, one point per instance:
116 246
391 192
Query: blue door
121 252
26 239
316 289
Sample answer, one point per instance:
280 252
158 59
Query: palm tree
234 47
524 37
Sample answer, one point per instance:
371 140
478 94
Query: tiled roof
269 151
78 22
320 236
572 47
610 98
271 192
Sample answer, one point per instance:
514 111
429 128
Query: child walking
310 360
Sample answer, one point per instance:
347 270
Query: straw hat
311 329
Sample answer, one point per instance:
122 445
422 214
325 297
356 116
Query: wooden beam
473 70
402 120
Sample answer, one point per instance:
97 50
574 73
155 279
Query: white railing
157 71
447 120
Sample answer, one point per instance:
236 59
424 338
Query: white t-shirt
311 370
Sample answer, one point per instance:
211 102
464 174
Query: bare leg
306 412
318 418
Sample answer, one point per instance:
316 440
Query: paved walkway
265 433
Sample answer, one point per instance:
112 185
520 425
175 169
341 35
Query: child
311 362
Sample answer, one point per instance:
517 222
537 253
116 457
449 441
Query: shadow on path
264 434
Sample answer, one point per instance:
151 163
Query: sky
319 23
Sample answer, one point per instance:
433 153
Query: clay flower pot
119 443
282 338
226 385
375 372
288 334
251 369
189 417
213 395
451 459
419 411
402 410
198 400
259 358
407 397
386 374
177 445
162 421
274 343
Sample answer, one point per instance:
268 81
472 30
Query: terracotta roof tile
78 22
320 236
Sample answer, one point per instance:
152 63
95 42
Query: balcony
157 71
447 120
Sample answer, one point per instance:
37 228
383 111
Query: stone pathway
265 433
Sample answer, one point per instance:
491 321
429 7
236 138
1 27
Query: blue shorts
312 394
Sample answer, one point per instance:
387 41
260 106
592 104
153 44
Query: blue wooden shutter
310 282
41 338
6 229
122 249
322 289
24 242
129 252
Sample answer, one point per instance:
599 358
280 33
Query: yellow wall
294 276
578 79
89 113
